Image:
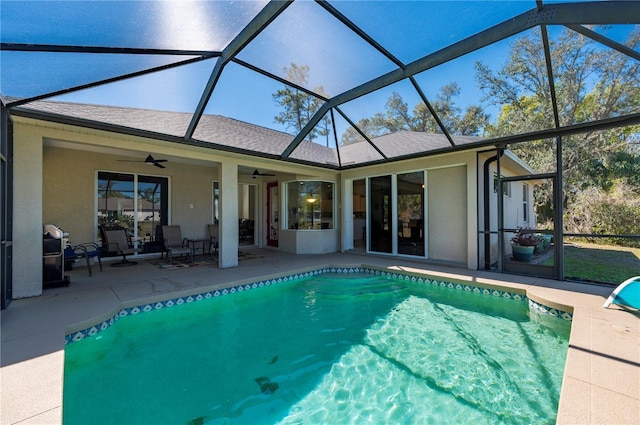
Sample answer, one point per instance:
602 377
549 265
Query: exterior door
410 213
273 213
380 211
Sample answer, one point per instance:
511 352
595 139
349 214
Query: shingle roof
401 143
171 123
214 129
222 132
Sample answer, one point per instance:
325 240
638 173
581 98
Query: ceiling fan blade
257 173
148 160
151 160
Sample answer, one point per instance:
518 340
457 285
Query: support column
345 215
228 229
27 213
472 213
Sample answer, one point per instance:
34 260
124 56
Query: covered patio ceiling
211 68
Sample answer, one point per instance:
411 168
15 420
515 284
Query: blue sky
304 34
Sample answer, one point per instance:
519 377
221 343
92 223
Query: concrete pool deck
601 382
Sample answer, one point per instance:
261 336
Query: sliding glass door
396 214
380 213
136 203
410 210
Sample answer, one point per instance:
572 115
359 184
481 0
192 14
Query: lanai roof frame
570 15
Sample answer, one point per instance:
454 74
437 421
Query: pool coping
79 331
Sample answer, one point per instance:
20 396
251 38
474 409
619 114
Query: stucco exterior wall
55 182
56 172
453 203
447 214
56 168
27 213
309 241
191 198
70 183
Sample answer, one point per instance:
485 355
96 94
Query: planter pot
522 253
547 239
544 243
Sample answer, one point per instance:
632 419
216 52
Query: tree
521 90
397 117
299 106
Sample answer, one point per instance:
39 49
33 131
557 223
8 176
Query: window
310 205
525 202
506 186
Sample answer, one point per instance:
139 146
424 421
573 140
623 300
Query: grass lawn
600 263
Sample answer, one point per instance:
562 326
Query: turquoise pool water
330 349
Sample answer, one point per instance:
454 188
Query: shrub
615 212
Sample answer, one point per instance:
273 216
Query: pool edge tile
80 331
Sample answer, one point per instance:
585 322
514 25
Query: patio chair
213 238
85 250
117 241
174 244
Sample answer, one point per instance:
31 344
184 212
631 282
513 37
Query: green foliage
150 194
410 206
625 165
298 106
615 211
397 117
592 83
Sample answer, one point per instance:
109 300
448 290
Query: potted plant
523 244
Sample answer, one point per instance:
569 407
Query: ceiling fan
148 160
257 174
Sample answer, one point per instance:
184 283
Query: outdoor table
195 244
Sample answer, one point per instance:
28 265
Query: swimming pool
325 348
